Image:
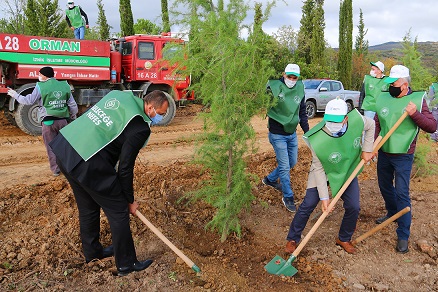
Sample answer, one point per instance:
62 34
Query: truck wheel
350 106
10 117
26 117
310 109
171 110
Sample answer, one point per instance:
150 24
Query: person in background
372 85
336 149
283 120
97 154
76 19
57 105
396 156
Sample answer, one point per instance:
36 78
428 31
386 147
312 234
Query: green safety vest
286 111
389 110
373 86
103 123
75 17
339 156
54 95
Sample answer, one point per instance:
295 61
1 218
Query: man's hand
12 93
72 28
411 108
133 207
367 156
324 205
87 26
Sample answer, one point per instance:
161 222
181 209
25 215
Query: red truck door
146 65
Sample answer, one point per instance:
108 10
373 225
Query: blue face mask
158 118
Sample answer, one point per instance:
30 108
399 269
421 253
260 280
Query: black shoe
137 266
289 204
106 253
275 185
402 246
382 219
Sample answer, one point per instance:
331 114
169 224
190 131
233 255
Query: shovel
278 265
168 243
381 225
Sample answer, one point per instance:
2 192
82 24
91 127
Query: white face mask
71 5
334 127
289 83
372 73
40 78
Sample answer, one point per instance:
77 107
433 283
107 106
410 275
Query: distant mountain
386 46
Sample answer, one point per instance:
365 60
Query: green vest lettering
389 110
54 95
286 111
103 123
75 17
373 86
339 156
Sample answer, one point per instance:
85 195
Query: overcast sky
385 20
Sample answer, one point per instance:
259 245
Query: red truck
92 68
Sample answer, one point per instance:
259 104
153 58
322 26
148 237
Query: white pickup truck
320 91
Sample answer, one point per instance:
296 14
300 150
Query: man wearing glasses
283 119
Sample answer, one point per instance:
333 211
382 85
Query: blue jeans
286 151
393 174
79 33
311 200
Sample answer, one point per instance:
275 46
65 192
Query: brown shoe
346 245
291 246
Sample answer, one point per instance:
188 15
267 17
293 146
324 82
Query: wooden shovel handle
167 242
381 226
379 141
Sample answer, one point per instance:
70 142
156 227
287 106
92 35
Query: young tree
361 45
126 18
306 31
104 28
165 16
235 91
44 18
345 42
14 12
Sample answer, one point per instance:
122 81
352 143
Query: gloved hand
12 93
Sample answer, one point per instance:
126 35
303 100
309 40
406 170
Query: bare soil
40 247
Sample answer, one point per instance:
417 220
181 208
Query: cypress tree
318 42
165 16
345 42
104 28
361 45
306 31
126 18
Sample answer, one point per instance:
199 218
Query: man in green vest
97 154
57 106
73 16
284 118
397 154
336 149
372 85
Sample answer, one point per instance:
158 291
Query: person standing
336 149
97 154
372 85
76 19
57 105
283 119
396 156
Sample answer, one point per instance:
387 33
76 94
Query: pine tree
345 42
44 18
104 28
235 92
361 45
165 16
126 18
306 31
318 42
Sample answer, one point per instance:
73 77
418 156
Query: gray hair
407 79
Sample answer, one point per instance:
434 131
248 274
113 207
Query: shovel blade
279 266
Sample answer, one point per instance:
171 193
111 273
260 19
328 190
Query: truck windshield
311 84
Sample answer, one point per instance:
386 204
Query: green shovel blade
279 266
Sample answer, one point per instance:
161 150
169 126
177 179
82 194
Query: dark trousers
393 174
49 133
311 200
116 210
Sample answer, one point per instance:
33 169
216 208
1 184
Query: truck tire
310 109
171 110
26 117
10 117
